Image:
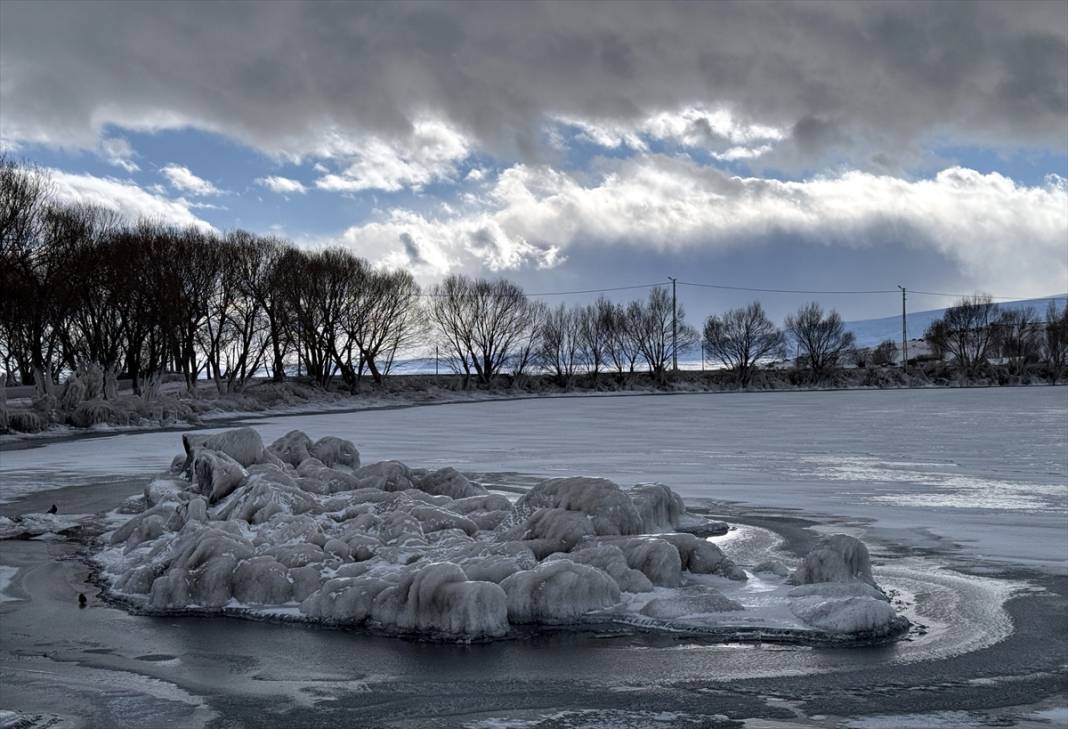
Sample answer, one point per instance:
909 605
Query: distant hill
870 332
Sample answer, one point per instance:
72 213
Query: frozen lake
983 468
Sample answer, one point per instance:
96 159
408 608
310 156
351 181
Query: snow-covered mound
301 530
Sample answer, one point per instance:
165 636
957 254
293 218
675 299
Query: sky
813 146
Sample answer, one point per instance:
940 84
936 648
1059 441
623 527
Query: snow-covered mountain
870 332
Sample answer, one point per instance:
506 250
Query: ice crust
301 529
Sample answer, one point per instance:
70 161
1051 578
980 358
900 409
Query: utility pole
435 360
674 328
904 335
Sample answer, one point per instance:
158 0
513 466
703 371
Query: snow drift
301 530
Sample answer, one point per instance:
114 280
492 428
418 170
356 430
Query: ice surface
367 546
7 574
982 469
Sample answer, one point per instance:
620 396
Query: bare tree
93 302
653 332
621 323
885 353
24 195
192 277
561 342
741 338
480 323
451 311
965 332
527 350
1017 334
822 340
386 317
1055 340
261 279
152 291
595 332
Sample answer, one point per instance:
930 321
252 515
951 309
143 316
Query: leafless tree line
976 329
83 290
969 334
743 338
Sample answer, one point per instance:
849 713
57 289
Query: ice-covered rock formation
301 529
838 558
837 591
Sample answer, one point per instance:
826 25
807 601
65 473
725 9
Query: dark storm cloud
277 75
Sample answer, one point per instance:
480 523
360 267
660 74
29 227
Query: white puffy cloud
722 133
282 185
695 125
182 178
997 233
125 198
471 242
428 154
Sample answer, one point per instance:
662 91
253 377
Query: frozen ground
915 468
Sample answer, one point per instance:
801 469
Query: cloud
411 248
430 153
991 229
690 126
282 185
182 179
118 152
125 198
889 75
474 242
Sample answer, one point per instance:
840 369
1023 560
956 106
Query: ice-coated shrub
554 530
292 448
702 557
659 508
656 558
440 599
610 509
26 421
72 394
97 412
449 482
843 607
609 559
838 558
244 445
333 451
216 474
693 602
558 591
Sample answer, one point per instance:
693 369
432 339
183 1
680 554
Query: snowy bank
301 530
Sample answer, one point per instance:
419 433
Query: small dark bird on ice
53 509
82 601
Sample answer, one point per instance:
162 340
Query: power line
807 292
1008 298
786 290
570 293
